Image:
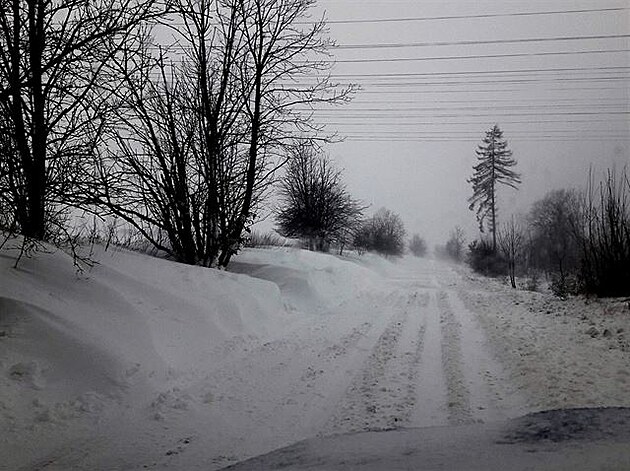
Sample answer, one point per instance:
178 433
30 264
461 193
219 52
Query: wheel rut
383 394
457 392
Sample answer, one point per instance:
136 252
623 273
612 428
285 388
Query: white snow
143 363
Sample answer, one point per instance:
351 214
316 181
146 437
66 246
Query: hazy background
412 130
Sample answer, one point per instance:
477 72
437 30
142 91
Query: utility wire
481 16
589 101
610 70
560 113
485 82
472 139
482 82
456 17
458 108
588 121
479 42
408 92
477 56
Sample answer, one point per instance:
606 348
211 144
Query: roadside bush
383 233
417 246
605 257
554 245
454 247
563 285
483 259
266 239
533 282
314 205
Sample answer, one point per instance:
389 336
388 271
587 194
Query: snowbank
128 364
77 348
311 281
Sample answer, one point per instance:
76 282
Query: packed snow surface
142 363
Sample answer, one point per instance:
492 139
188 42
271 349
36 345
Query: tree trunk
512 268
494 214
35 226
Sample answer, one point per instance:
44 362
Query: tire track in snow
318 369
383 394
458 395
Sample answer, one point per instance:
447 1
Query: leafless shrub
605 237
483 259
417 246
511 240
314 203
383 233
266 239
553 245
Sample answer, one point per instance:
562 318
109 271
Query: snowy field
142 363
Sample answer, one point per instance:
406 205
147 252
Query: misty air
314 234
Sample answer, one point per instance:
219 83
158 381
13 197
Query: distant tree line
580 239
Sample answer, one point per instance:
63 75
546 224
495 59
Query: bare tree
554 241
314 203
511 240
54 99
455 245
204 134
284 47
605 236
150 176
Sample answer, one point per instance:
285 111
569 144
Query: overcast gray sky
430 91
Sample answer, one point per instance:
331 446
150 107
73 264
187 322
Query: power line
484 82
564 133
478 42
481 16
459 108
472 139
486 90
588 121
443 58
610 70
592 101
478 56
560 113
506 81
452 17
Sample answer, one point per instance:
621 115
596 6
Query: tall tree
493 168
285 70
54 73
201 133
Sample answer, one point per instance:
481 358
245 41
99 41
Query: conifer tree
493 167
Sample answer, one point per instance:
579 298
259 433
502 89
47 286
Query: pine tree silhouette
493 167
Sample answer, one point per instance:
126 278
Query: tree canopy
314 204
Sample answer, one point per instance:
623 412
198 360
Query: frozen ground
147 364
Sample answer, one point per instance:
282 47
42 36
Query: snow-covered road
400 352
